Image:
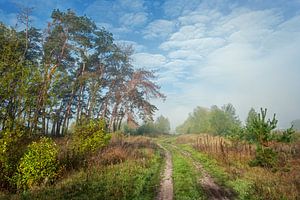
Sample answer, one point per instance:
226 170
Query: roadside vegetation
127 168
256 161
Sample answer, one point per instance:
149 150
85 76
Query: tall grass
233 156
128 168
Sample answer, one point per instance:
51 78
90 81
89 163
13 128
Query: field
202 167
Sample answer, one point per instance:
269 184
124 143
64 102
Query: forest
71 71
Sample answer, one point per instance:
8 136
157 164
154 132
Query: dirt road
212 190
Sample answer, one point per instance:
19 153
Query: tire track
166 184
210 187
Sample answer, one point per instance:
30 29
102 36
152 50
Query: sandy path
166 184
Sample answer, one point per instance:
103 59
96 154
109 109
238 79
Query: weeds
128 168
227 160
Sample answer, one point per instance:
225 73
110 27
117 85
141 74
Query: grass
241 187
185 176
248 182
128 180
127 169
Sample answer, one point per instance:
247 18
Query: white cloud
131 5
122 14
133 19
148 60
158 29
246 57
176 8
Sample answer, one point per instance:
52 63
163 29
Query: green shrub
286 136
13 144
39 164
265 157
90 136
261 129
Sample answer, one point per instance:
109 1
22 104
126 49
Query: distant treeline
221 121
224 121
160 126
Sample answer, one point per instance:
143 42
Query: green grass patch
136 180
185 179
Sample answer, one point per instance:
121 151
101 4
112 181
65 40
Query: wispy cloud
159 29
134 19
150 61
247 57
123 11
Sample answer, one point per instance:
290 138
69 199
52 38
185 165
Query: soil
166 185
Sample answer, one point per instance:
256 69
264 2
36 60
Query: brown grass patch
282 182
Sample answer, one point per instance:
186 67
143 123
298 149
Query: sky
206 52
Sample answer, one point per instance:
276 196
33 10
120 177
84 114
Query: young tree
261 129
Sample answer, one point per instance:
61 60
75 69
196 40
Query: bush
13 144
265 157
39 165
90 136
287 135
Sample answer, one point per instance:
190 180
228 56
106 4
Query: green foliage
265 157
128 130
13 144
221 121
248 135
244 188
261 128
197 122
162 124
132 179
90 136
286 136
38 165
147 128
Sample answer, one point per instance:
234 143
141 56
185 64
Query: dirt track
166 185
212 190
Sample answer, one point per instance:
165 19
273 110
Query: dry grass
282 182
122 148
127 168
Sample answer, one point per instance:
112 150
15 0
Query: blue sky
207 51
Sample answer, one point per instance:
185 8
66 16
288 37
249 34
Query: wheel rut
166 184
211 188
